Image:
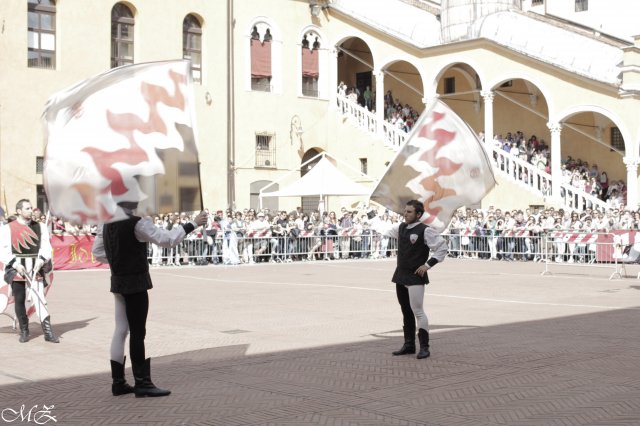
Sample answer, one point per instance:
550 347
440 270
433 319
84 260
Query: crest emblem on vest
413 238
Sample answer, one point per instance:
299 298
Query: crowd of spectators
401 116
519 234
261 235
575 172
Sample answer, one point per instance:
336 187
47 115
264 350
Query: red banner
260 59
310 63
73 253
611 247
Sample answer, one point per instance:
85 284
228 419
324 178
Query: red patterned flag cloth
442 164
126 135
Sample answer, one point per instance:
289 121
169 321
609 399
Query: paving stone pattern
310 344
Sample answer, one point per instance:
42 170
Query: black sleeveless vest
412 253
127 257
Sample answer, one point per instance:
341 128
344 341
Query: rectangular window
39 165
261 66
265 150
41 35
261 84
310 72
363 165
582 5
192 50
617 142
449 85
122 42
310 86
536 2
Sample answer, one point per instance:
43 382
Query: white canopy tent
322 180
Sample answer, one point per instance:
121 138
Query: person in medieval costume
420 248
25 250
123 245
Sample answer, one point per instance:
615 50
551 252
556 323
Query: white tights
121 330
416 297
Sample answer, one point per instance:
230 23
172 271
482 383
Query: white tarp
323 179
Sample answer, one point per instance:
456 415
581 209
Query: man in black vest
25 249
123 245
416 241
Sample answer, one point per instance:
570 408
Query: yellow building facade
254 130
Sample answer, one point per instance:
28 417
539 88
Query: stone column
556 172
428 98
379 106
333 78
632 181
487 96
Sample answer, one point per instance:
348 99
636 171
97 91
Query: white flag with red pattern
123 136
442 164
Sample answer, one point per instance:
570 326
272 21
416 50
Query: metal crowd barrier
232 248
558 248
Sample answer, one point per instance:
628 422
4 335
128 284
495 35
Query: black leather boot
120 385
409 346
24 330
48 334
144 386
423 337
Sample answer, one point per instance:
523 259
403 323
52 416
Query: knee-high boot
120 385
23 323
409 346
48 333
144 386
423 336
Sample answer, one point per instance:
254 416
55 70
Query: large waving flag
125 135
442 164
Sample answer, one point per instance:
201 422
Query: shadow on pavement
575 370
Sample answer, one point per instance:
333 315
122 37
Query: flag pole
6 206
200 185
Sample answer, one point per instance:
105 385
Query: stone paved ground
310 343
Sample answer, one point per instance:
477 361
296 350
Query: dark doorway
363 79
41 199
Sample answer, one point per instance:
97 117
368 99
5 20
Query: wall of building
83 50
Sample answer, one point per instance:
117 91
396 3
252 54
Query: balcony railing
513 168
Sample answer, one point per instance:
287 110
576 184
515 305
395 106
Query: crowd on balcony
402 117
534 151
575 172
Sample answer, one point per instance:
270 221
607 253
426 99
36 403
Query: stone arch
436 73
587 131
403 78
459 86
530 81
355 64
520 105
